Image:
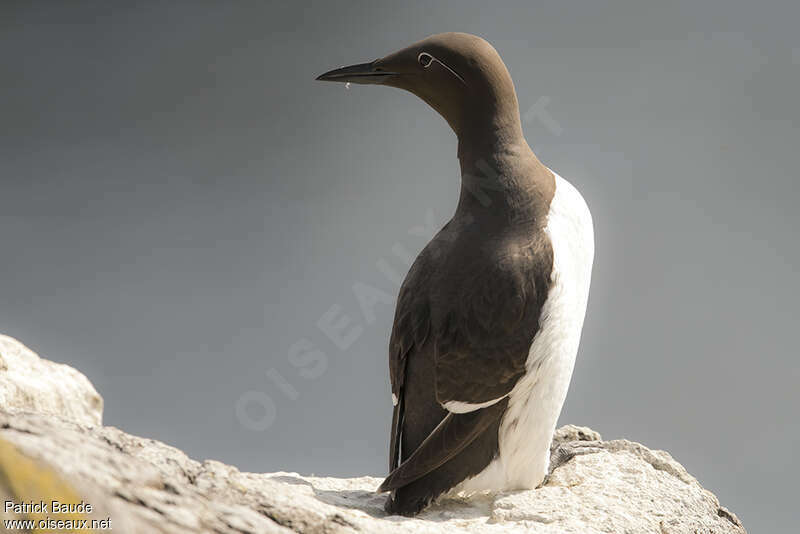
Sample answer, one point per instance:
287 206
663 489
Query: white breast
535 402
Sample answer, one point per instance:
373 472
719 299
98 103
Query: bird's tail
461 446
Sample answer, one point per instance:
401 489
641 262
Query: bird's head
459 75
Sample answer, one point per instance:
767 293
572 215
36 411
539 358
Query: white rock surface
145 486
29 383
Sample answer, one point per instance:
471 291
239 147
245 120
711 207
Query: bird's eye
425 59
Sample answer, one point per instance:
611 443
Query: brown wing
450 437
481 333
410 331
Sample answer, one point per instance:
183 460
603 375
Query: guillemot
489 317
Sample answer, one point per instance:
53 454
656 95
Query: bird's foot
564 452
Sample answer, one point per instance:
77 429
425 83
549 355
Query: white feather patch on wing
466 407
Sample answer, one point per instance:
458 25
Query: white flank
535 402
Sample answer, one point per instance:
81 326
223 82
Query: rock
29 383
144 486
569 433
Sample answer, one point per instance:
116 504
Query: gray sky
183 207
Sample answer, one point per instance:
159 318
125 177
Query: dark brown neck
501 177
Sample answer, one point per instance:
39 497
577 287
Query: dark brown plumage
470 306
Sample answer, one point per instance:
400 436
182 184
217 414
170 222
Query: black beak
365 73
